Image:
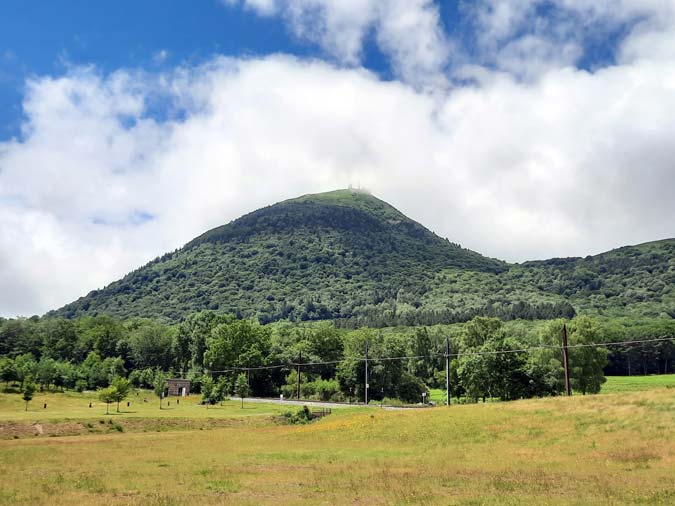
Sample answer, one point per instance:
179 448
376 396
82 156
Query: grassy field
618 384
76 406
615 384
593 450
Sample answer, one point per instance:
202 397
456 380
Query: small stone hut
178 387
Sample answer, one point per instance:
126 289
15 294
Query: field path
319 404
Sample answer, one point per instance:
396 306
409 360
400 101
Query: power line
292 365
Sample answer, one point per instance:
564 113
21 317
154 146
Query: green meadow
614 384
73 405
617 384
612 449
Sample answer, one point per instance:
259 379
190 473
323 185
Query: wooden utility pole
366 377
299 360
566 361
447 371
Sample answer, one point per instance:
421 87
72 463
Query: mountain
349 256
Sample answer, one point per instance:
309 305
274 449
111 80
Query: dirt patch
26 429
16 430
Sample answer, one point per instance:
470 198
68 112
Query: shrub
80 385
302 416
410 388
326 390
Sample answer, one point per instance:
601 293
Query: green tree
587 363
19 336
107 395
193 331
8 371
114 366
121 387
410 388
28 391
222 388
422 346
66 375
61 340
208 395
159 385
46 372
241 387
490 364
480 330
240 343
102 334
93 371
151 344
472 374
26 367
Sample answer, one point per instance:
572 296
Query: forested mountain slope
348 256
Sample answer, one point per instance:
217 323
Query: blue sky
522 129
47 37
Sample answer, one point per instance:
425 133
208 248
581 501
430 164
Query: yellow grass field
594 450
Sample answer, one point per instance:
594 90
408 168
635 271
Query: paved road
318 404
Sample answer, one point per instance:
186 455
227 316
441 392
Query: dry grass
595 450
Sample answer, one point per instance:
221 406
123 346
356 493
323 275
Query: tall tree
587 362
159 385
207 390
241 388
28 391
121 387
151 345
107 395
8 371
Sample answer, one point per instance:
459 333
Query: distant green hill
348 256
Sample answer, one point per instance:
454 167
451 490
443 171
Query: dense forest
349 257
490 358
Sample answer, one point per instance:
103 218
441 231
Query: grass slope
594 450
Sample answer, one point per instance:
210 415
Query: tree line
214 349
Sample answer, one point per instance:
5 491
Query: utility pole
566 361
299 360
366 377
447 371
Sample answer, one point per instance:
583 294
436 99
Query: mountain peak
349 256
335 252
355 198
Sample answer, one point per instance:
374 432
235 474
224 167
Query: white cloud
408 32
529 37
262 7
161 56
569 162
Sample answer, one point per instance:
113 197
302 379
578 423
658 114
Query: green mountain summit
351 257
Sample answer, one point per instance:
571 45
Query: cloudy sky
523 129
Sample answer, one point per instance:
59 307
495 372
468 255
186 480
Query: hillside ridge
348 256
